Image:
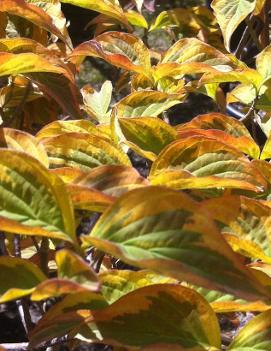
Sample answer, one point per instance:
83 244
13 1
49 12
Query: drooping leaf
241 139
110 8
32 13
229 14
136 19
32 200
111 180
85 198
22 141
119 49
84 151
202 157
21 45
164 230
156 314
255 335
146 103
13 64
18 278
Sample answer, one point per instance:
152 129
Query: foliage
194 235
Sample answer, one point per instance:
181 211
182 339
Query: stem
22 305
43 252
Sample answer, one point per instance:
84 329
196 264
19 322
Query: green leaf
110 8
148 133
229 14
72 267
111 180
22 141
32 200
165 231
32 13
256 335
120 49
117 283
18 278
146 103
165 313
84 151
204 162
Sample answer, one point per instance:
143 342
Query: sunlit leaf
33 201
203 157
32 13
96 103
62 127
164 230
146 103
229 14
136 19
111 180
148 133
84 151
120 49
110 8
22 141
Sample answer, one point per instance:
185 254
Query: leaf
255 335
61 127
263 63
74 301
14 64
84 151
72 267
96 103
61 89
18 278
146 103
32 13
148 133
247 219
136 19
53 288
222 128
266 152
165 231
156 314
225 303
85 198
118 283
22 141
112 180
119 49
19 45
229 14
204 157
193 50
32 200
107 7
67 174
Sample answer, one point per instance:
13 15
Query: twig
22 305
